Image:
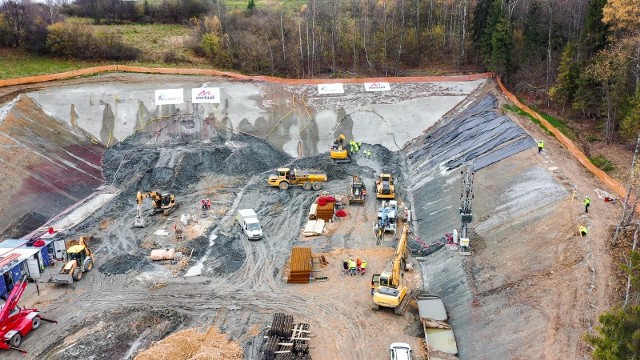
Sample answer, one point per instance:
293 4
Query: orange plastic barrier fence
211 72
573 149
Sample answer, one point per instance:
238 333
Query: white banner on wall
169 96
205 95
324 89
377 86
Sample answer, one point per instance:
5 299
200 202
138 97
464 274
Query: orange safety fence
573 149
211 72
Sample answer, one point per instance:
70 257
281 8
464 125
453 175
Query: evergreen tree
501 46
535 33
486 40
619 335
594 35
568 73
480 16
251 5
588 94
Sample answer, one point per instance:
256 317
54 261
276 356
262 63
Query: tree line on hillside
581 56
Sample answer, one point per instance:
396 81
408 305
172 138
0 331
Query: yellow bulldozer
339 152
79 259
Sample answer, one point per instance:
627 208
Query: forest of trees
581 57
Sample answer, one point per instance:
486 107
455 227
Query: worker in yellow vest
587 202
583 231
363 267
352 267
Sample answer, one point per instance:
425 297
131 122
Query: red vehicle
16 322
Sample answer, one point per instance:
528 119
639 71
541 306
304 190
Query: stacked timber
325 207
286 340
301 265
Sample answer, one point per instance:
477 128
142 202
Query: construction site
229 227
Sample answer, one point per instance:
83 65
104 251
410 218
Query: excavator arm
399 257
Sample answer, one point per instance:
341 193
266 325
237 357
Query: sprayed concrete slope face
513 196
46 167
295 119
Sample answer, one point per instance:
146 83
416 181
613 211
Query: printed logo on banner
169 96
205 95
379 86
330 88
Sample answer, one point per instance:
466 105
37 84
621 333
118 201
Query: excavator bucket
61 279
139 222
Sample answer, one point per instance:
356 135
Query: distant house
17 257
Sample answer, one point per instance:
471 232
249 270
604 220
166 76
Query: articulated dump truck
308 179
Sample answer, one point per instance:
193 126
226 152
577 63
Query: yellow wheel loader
79 259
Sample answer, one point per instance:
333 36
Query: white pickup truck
248 220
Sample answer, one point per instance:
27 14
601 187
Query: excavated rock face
47 166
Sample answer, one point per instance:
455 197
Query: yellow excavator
339 152
162 202
79 259
388 290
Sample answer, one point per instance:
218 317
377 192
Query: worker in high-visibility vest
583 231
352 267
587 202
363 267
540 146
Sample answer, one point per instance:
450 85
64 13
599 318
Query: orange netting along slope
573 149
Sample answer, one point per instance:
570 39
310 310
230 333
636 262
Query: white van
248 220
400 351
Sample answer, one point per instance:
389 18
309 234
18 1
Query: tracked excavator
162 202
389 292
339 152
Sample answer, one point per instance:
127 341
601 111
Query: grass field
15 63
153 39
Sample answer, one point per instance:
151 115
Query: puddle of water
212 237
196 270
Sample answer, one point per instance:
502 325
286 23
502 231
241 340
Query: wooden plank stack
301 265
286 340
325 212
